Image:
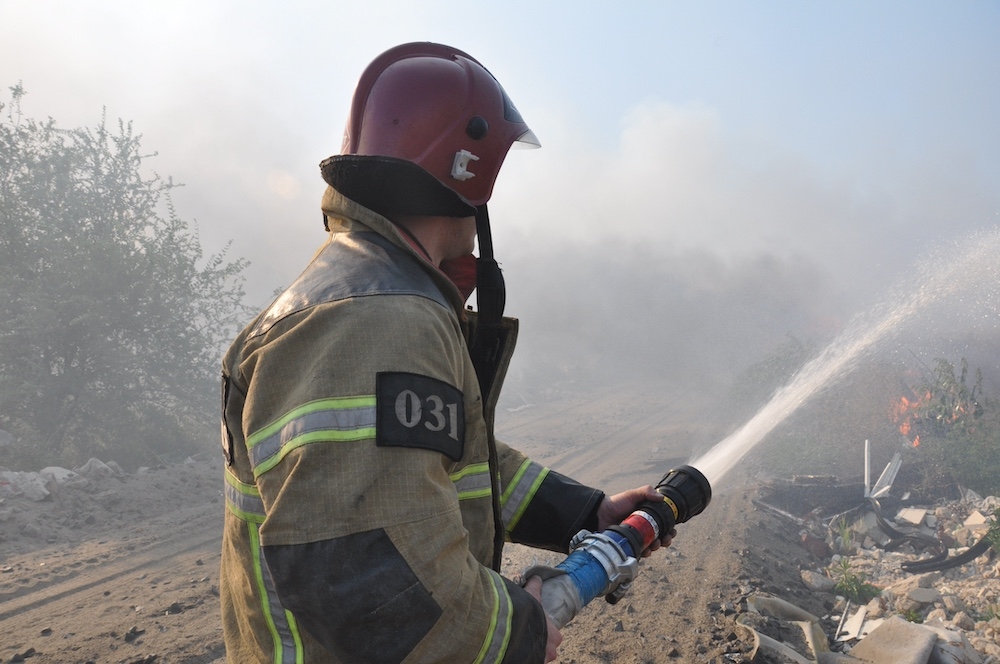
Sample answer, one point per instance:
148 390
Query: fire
905 411
944 407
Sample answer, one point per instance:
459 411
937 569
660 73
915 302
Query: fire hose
939 559
606 563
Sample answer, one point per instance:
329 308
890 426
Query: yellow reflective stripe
243 500
470 469
315 437
473 481
280 623
344 419
514 482
339 403
478 493
498 638
517 496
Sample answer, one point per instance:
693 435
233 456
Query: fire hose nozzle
687 490
605 563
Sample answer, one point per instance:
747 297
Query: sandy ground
126 570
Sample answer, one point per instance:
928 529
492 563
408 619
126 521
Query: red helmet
438 108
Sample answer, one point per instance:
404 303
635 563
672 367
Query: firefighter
367 501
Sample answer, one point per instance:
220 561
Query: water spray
604 564
972 264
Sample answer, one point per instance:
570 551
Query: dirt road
135 581
126 569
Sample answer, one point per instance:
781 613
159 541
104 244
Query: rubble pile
876 581
59 505
965 599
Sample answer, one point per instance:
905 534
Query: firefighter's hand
534 588
614 509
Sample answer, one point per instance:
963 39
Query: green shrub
852 584
993 534
113 316
957 429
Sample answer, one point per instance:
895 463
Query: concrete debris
908 583
63 476
39 486
867 527
924 596
58 504
952 647
816 581
885 641
94 468
951 616
911 515
964 599
976 521
31 485
896 641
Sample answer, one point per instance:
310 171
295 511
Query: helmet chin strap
490 290
485 349
487 340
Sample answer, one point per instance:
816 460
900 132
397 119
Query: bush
853 585
113 320
956 428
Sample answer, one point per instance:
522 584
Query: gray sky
804 153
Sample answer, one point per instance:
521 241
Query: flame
905 410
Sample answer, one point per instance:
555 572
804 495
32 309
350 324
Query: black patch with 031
419 411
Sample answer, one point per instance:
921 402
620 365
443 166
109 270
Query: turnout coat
366 498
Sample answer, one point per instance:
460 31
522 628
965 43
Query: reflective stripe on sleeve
243 500
520 491
473 481
495 646
280 623
325 421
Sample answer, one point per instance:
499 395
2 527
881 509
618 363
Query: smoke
685 243
684 253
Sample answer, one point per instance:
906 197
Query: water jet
955 272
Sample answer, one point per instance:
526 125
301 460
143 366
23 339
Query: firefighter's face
463 238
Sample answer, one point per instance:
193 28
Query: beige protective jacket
363 485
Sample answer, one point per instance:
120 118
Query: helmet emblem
460 167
